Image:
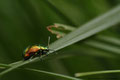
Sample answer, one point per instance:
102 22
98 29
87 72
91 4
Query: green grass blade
18 64
109 39
68 77
3 66
95 43
103 46
54 74
101 23
96 72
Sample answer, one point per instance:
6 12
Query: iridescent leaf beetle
35 51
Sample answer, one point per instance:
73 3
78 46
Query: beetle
35 51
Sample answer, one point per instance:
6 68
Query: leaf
101 23
110 39
54 74
93 43
96 72
103 46
3 66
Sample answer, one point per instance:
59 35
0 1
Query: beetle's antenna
48 42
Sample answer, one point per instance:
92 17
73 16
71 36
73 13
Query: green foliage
90 46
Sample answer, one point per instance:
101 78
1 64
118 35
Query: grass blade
3 66
96 72
113 40
101 23
103 46
54 74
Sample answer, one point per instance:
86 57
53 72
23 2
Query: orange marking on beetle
26 55
32 49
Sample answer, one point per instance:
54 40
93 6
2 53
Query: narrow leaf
53 74
96 72
99 24
3 66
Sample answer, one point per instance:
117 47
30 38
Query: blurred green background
24 22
